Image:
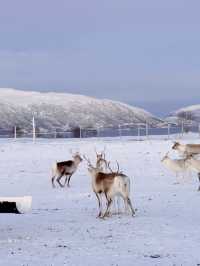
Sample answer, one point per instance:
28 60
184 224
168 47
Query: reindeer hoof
99 215
108 214
134 213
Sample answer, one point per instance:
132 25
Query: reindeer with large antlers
109 184
104 166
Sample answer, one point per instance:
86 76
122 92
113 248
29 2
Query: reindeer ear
95 150
104 151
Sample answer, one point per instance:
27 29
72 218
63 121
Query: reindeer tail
54 168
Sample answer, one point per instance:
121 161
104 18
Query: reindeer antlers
88 160
95 151
111 168
104 152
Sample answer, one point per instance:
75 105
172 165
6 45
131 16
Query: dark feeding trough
15 204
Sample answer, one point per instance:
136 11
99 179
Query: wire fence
140 131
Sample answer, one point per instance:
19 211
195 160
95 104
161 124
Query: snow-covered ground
62 228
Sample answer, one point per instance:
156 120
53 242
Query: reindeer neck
77 161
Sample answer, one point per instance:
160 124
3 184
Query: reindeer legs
131 206
52 181
58 180
199 181
69 179
100 204
108 208
66 178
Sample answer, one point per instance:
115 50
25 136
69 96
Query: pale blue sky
145 50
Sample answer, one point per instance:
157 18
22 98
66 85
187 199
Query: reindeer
194 164
116 201
109 184
186 149
175 165
104 166
66 168
101 162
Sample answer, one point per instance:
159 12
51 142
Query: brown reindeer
109 184
104 166
65 168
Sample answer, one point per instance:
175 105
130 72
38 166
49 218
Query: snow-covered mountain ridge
188 113
62 110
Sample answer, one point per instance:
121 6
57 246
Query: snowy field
62 228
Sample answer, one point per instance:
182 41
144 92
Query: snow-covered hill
63 110
191 113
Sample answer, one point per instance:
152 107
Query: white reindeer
186 149
65 168
109 184
178 166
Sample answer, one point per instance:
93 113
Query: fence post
15 132
98 132
80 133
34 132
147 130
168 130
182 128
120 132
138 131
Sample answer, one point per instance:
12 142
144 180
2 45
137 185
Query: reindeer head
93 170
176 145
77 157
101 155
